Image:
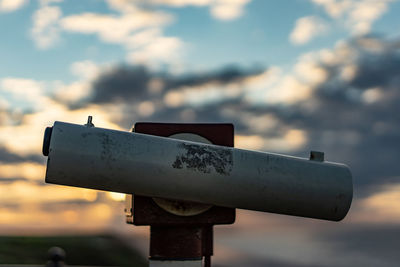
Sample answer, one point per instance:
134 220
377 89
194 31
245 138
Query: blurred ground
89 250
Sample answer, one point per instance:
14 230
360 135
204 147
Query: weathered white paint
179 207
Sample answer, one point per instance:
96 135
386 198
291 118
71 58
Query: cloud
225 10
121 83
24 171
85 70
22 95
26 137
30 205
160 49
228 9
137 27
72 93
292 140
138 82
26 192
181 3
48 2
45 31
310 72
288 90
358 16
365 13
111 28
137 30
355 111
7 156
142 93
383 203
21 87
11 5
306 29
334 8
78 91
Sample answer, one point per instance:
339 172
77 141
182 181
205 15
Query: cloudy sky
292 75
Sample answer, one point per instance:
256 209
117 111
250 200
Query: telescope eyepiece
46 141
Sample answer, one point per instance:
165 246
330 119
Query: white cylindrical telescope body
154 166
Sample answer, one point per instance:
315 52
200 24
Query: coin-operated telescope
168 168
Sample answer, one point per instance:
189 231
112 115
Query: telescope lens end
46 141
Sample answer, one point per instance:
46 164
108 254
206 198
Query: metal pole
181 231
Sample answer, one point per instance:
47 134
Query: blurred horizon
291 75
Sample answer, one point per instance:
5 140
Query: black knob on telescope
46 141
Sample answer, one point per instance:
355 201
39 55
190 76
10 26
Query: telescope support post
180 245
178 239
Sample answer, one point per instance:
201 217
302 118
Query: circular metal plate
178 207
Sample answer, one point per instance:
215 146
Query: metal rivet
89 122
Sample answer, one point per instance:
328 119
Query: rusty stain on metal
204 159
